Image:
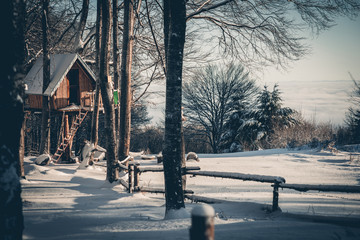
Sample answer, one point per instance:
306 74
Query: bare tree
95 115
211 97
106 93
254 31
69 30
116 60
266 32
79 43
11 97
126 94
174 39
45 119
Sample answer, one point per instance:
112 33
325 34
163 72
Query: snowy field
63 202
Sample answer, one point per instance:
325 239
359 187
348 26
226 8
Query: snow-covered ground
64 202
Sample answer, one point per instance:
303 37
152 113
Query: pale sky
319 84
334 53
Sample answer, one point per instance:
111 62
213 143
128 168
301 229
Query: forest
81 74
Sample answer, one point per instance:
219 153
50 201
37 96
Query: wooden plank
195 198
322 188
239 176
35 101
151 169
61 96
161 169
160 190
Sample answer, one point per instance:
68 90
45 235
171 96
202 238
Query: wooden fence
134 170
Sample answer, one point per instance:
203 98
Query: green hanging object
116 97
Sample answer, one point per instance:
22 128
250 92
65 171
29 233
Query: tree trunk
106 92
45 119
116 61
95 116
126 62
67 154
183 161
79 45
11 98
174 30
21 171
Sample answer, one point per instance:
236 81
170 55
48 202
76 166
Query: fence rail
239 176
134 170
322 188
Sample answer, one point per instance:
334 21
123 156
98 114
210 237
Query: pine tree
268 115
353 115
236 138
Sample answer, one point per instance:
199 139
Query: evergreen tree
353 115
235 138
139 115
268 115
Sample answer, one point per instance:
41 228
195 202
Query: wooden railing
88 100
134 170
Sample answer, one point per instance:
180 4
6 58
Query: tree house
71 90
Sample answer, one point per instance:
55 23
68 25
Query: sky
318 85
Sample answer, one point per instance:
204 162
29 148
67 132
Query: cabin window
74 92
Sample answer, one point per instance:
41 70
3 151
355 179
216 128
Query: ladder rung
56 154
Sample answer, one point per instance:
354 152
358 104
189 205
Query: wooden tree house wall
81 86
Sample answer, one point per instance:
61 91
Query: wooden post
275 205
183 160
202 223
130 172
136 176
66 156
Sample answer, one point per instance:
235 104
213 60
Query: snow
203 210
61 201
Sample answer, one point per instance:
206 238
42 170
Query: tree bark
174 30
126 62
21 171
95 116
11 98
67 154
116 79
79 45
45 119
106 92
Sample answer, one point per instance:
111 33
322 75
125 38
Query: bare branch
206 9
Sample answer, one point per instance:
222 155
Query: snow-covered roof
60 64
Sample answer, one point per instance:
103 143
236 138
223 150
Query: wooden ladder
66 140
